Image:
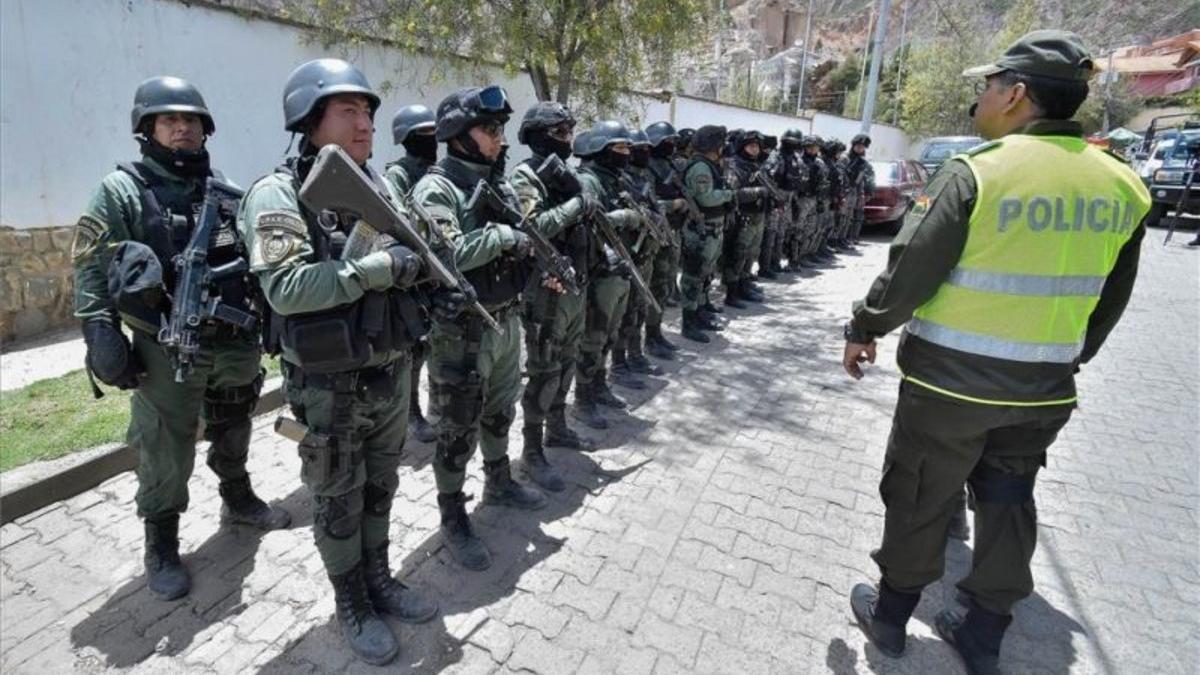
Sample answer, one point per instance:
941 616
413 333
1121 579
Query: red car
897 184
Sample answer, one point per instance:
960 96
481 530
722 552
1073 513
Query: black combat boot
390 596
749 291
976 637
534 465
559 435
691 327
369 637
883 614
622 373
604 395
420 427
586 408
165 574
240 505
466 548
657 344
636 359
708 321
500 489
767 271
710 308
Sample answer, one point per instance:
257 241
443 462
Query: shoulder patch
981 148
87 232
278 235
920 206
286 220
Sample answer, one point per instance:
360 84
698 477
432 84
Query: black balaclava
422 146
186 163
639 156
612 160
664 150
544 145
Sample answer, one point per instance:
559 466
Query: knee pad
452 455
377 494
339 516
497 425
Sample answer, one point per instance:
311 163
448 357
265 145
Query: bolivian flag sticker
920 206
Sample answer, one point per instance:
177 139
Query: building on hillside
1162 68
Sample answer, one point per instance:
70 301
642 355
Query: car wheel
1157 213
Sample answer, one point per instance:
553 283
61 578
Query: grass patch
53 418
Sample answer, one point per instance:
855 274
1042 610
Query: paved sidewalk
718 530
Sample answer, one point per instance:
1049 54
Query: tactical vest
745 169
575 242
350 336
711 212
413 169
500 281
168 229
1050 218
666 188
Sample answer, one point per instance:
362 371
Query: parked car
897 183
941 148
1171 179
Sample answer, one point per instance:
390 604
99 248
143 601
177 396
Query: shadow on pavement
134 624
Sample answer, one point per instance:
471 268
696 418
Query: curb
84 471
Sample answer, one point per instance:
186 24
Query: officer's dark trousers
937 444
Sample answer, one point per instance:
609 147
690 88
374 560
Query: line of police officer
353 331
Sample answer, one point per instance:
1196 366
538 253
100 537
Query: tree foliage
583 52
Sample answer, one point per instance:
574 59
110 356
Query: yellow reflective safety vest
1051 215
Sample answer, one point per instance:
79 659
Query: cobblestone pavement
718 530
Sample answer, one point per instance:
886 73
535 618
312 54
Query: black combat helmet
638 138
314 81
709 138
659 132
169 94
470 107
601 136
686 135
411 118
543 115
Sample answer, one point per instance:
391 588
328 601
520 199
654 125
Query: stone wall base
36 282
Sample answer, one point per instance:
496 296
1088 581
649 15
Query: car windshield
940 152
886 173
1175 156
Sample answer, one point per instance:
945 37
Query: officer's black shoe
534 464
559 435
586 409
883 614
1195 242
623 375
421 429
466 548
691 327
369 637
960 527
390 596
605 397
241 506
500 489
976 637
638 363
732 299
165 574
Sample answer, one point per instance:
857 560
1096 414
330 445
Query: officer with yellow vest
1013 267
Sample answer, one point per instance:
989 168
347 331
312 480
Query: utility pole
900 64
1109 76
873 83
804 59
717 53
862 75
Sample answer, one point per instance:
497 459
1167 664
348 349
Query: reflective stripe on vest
1050 218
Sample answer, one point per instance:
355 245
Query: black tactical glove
589 205
110 357
750 195
617 264
448 303
406 265
522 247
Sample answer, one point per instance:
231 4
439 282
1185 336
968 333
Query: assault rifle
693 208
609 236
640 200
193 303
546 255
335 183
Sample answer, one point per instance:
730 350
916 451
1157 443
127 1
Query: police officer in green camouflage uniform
704 182
629 356
475 370
665 170
753 202
605 151
344 329
862 184
812 206
147 209
553 321
412 127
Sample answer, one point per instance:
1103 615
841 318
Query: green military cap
1049 53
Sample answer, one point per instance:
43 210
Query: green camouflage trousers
701 249
223 388
554 324
607 295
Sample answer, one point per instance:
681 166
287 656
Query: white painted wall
887 142
68 70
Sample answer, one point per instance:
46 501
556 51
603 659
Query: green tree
830 93
585 49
